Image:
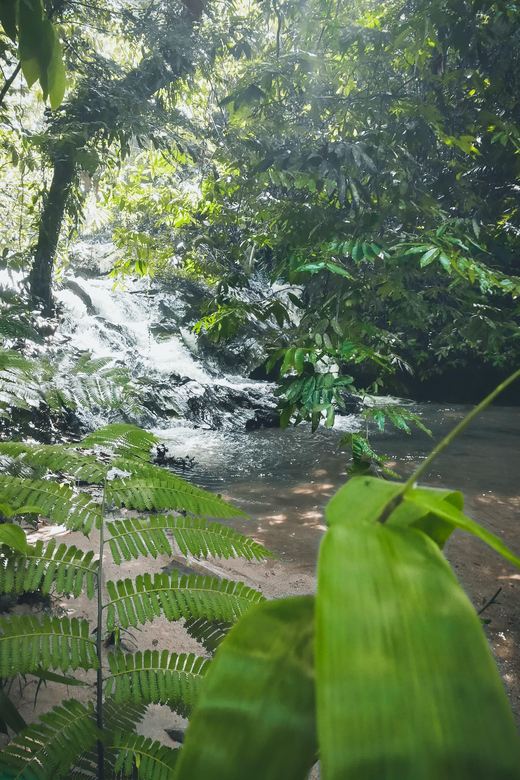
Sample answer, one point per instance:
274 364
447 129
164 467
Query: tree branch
8 83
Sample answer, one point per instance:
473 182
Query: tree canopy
364 156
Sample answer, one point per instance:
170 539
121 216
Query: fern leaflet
67 568
18 390
153 760
133 537
48 458
15 328
47 749
209 633
105 390
58 502
86 364
158 678
162 491
124 440
176 596
115 719
26 645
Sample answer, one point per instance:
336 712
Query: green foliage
397 415
39 48
404 680
34 645
9 715
61 504
117 722
268 663
153 677
363 456
153 760
209 633
133 537
63 569
419 598
48 748
154 489
353 155
186 595
13 536
123 440
124 448
28 644
28 386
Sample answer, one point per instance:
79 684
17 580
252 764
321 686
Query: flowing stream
282 479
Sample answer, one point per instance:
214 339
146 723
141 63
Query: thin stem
7 85
99 702
468 419
488 603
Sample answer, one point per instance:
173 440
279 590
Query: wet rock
72 285
163 458
353 403
263 418
222 406
40 422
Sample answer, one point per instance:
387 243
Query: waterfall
148 332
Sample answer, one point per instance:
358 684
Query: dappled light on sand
287 514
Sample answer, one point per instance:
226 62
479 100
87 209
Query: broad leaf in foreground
255 716
406 685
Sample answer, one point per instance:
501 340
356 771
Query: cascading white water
149 333
119 327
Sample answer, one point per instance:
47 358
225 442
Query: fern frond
136 536
86 364
176 596
47 749
209 633
18 390
26 644
9 358
159 490
115 719
58 502
158 678
90 391
67 568
153 760
124 440
15 328
53 459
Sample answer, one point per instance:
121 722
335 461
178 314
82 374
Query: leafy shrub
86 741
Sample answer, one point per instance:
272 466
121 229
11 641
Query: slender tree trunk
142 83
40 278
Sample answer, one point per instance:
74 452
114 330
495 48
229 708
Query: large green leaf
39 50
8 17
14 537
421 518
427 500
9 715
33 49
255 716
53 79
406 685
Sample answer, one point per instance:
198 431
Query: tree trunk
95 110
40 278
